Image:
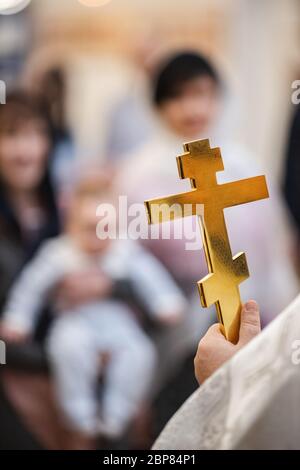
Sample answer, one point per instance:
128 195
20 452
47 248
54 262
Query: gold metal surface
200 164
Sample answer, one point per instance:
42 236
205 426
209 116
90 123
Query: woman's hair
173 75
21 108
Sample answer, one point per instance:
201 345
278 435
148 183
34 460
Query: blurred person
28 212
187 94
83 332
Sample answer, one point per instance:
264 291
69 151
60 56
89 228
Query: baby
80 335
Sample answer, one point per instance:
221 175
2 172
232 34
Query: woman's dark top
16 248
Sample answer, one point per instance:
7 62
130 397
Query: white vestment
252 402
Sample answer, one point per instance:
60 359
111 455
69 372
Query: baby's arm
29 293
156 287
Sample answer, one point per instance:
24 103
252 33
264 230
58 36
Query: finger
250 322
215 332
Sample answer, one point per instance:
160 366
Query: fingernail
250 306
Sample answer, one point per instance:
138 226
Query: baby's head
91 190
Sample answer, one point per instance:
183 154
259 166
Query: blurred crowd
100 332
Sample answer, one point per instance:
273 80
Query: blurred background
254 43
96 65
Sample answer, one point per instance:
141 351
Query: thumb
250 322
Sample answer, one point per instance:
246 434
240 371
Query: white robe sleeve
252 402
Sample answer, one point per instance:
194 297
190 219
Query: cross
200 163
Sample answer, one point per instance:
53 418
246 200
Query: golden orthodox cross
200 163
